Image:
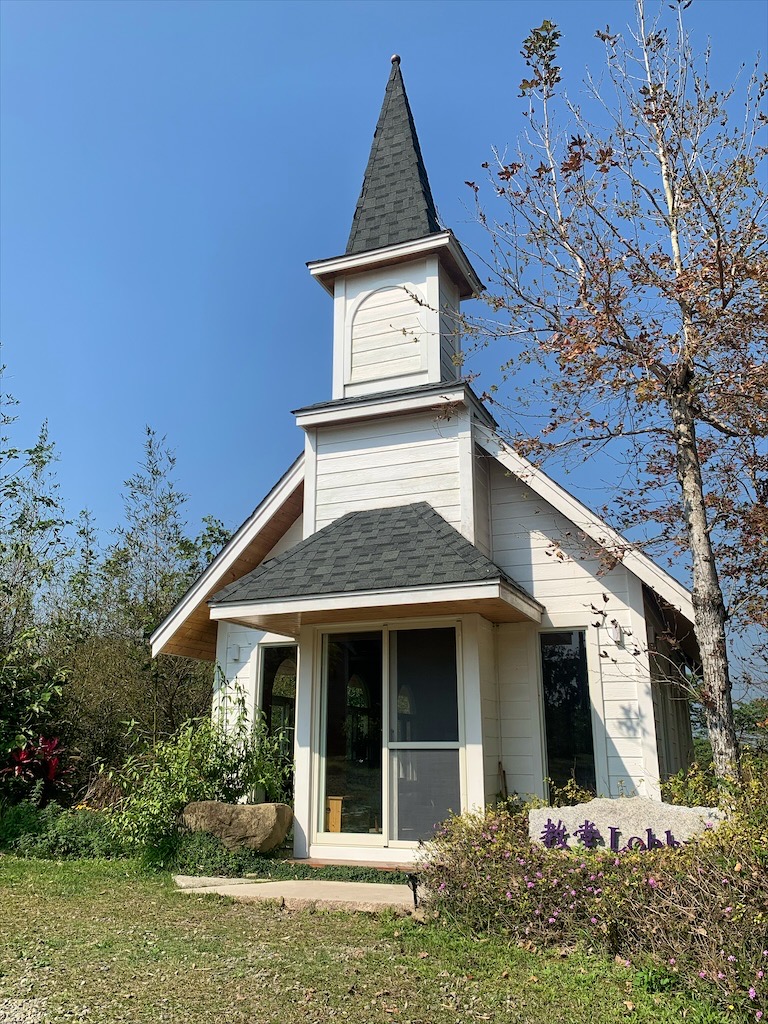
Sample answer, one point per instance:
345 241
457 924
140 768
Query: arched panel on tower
388 335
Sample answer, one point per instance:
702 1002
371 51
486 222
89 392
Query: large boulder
259 827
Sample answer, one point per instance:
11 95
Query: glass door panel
352 800
423 732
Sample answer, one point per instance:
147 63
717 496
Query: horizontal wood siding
546 555
238 667
388 462
490 709
519 716
388 336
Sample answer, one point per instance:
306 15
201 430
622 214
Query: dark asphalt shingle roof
409 546
395 203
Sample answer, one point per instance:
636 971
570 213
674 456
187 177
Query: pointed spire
395 203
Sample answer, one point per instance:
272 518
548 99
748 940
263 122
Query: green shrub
197 853
21 819
204 760
697 915
71 835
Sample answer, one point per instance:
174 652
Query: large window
390 733
567 709
278 693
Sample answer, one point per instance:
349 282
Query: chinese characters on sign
555 837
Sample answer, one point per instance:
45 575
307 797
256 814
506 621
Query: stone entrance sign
627 822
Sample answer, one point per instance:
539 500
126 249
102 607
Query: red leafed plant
38 765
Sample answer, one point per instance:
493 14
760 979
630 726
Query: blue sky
168 168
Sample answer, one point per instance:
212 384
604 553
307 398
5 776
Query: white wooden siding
388 335
520 732
382 463
292 536
237 657
549 558
489 697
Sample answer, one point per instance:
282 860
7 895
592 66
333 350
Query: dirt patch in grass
106 942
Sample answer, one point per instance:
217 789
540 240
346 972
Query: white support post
302 754
474 798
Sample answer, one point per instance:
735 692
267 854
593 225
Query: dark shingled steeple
395 203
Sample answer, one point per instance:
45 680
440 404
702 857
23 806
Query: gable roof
408 546
188 629
395 203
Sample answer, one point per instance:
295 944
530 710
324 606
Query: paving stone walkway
300 894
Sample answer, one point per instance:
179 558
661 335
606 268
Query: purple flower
672 961
751 992
702 974
731 959
652 882
593 920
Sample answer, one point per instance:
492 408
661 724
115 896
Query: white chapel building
425 614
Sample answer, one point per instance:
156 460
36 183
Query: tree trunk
708 604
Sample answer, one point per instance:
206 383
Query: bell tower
398 286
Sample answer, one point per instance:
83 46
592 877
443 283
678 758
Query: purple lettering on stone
652 843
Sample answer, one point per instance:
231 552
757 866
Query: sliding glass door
423 730
390 735
353 729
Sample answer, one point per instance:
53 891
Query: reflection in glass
567 709
278 700
353 733
424 689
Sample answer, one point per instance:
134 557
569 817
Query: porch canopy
384 563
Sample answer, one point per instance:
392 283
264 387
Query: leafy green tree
32 541
111 602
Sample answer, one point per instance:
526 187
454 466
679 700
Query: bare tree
629 281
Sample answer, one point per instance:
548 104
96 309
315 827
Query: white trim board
459 592
229 554
592 525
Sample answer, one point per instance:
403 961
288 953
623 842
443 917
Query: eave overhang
443 244
437 397
493 599
188 630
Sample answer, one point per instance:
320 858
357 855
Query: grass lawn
107 942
